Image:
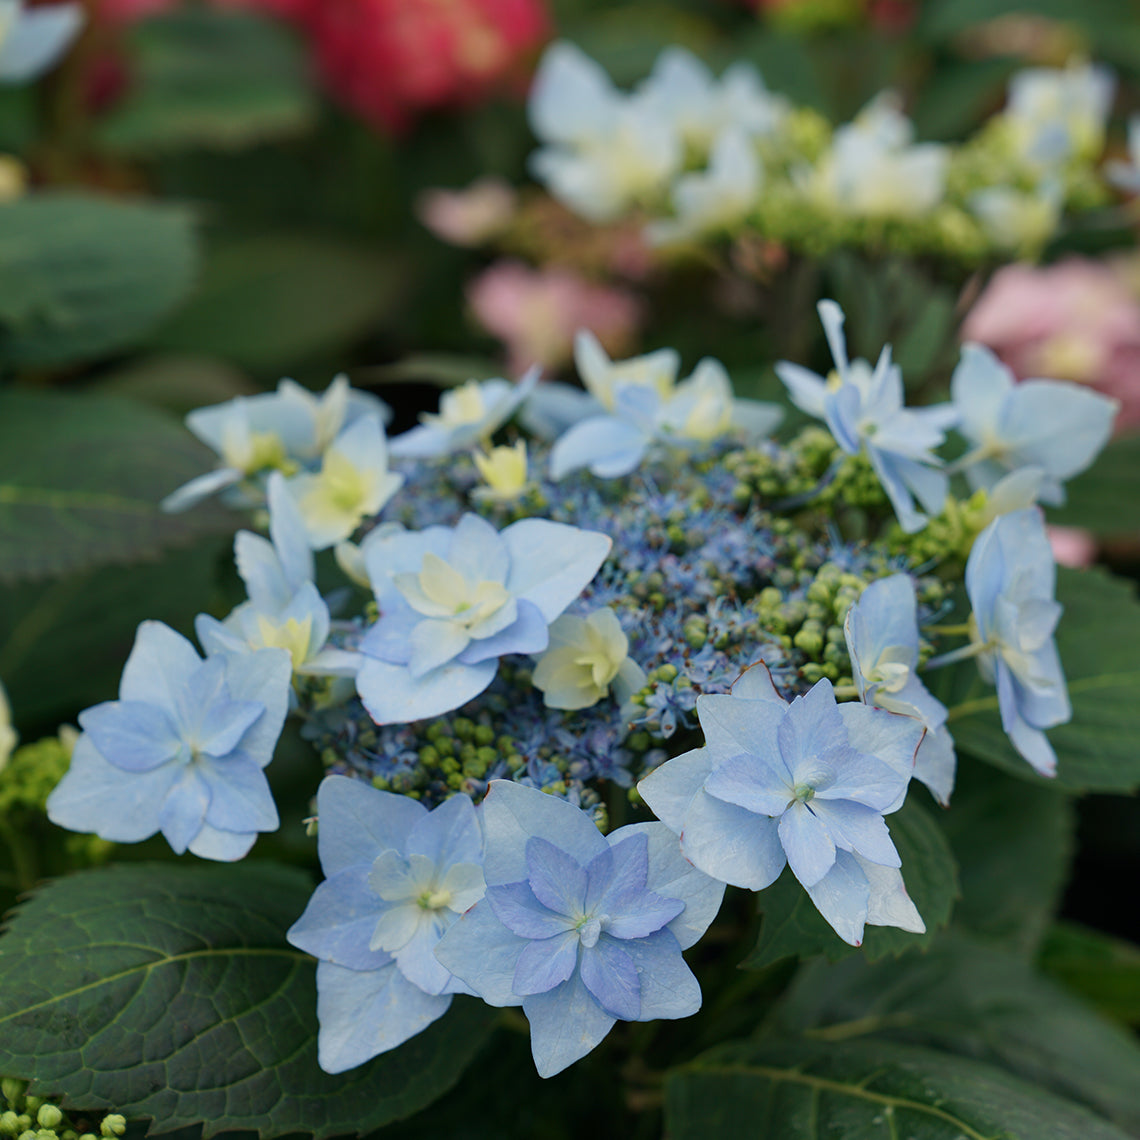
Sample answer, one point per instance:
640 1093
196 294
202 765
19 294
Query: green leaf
207 78
1102 969
959 95
867 1090
976 1001
273 302
80 482
793 927
169 991
1013 844
178 384
1104 498
82 276
1097 639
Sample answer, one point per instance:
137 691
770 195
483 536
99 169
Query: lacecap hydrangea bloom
396 877
582 930
804 784
182 751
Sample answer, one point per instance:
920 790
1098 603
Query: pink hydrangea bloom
536 312
1072 546
471 216
1076 320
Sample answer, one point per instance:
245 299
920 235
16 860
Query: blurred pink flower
471 216
1072 546
536 312
1076 320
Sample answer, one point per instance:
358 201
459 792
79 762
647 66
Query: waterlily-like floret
396 877
805 783
580 929
455 600
182 751
586 656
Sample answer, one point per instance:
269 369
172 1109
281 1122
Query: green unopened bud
29 1135
32 1103
13 1091
9 1123
48 1116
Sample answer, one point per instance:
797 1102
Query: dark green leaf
444 369
82 276
176 383
980 1002
1104 498
209 78
867 1090
1102 969
1013 844
793 927
271 303
80 482
169 991
1097 639
959 95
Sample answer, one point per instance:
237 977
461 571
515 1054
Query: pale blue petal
434 643
222 846
389 639
217 638
1030 742
290 536
424 441
184 810
364 1013
160 665
479 949
752 783
416 959
192 493
240 799
551 562
134 736
858 829
357 822
517 907
223 725
338 922
755 684
889 904
669 789
36 39
545 963
264 678
478 551
805 389
450 834
807 844
393 696
617 874
260 569
841 408
566 1023
732 844
811 731
608 446
512 813
935 764
832 318
672 876
554 406
841 896
610 974
887 743
1058 426
886 467
734 725
668 987
96 796
529 633
979 387
557 879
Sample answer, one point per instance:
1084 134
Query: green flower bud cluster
945 542
27 1117
31 773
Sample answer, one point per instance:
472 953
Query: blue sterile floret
582 930
454 600
182 751
397 876
33 39
863 409
804 783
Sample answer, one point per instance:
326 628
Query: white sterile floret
873 169
33 39
8 735
715 199
585 657
467 416
1017 219
353 484
283 431
1054 426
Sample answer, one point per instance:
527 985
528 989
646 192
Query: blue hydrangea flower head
806 784
467 416
863 408
33 39
453 600
580 929
882 641
182 751
1010 580
1052 425
396 877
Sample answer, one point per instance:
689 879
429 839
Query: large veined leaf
270 303
1097 639
82 276
977 1001
80 482
1013 843
1102 969
207 78
169 991
864 1090
1103 499
793 927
